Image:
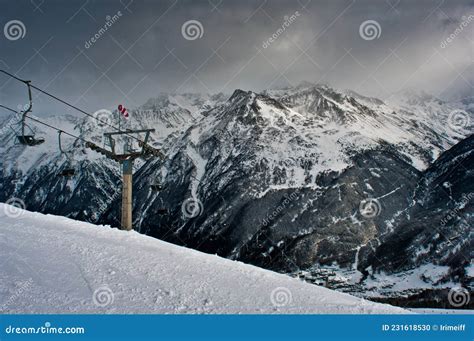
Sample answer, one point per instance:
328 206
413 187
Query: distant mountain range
368 196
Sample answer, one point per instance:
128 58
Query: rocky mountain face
308 181
437 226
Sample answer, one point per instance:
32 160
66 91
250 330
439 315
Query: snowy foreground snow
52 264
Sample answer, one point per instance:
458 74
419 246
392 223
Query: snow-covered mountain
31 173
434 234
428 247
53 264
275 179
171 114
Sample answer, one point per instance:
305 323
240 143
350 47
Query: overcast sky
144 52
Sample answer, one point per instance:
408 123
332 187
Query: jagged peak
238 93
358 96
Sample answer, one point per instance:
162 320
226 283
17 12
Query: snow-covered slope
52 264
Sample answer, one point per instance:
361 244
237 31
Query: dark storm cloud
143 52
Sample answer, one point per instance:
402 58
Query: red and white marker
123 110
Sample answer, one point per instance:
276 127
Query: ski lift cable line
69 134
51 126
7 108
46 124
66 103
70 105
57 129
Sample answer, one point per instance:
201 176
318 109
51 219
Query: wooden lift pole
126 160
127 167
